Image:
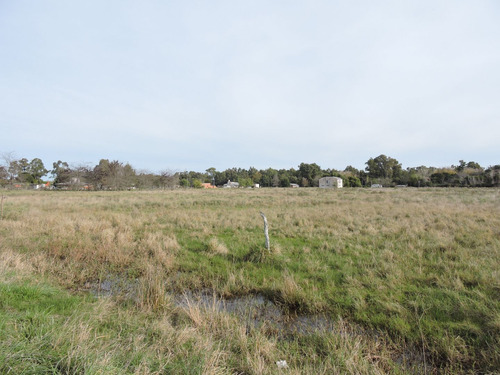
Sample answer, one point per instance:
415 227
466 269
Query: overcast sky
188 85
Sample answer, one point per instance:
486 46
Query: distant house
376 186
294 185
330 182
208 185
231 184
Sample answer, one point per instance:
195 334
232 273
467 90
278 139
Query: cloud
198 84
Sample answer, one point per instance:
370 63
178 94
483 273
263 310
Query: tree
211 171
220 178
19 170
255 175
168 178
14 170
119 176
473 165
352 181
352 170
275 180
232 174
383 167
37 170
461 166
469 174
80 176
100 173
61 172
113 179
268 177
211 174
8 158
4 175
419 176
284 181
309 172
197 184
127 175
492 176
445 178
245 182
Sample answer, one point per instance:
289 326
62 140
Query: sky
189 85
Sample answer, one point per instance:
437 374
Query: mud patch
114 285
256 311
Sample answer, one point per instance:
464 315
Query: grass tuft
416 269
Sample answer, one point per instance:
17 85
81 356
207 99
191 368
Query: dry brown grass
345 252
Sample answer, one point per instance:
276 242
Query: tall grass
416 269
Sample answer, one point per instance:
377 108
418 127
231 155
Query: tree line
115 175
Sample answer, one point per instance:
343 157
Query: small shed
330 182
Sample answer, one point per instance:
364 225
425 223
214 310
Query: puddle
114 285
256 312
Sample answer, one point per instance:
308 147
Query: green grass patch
419 266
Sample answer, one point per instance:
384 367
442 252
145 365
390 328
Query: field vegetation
359 281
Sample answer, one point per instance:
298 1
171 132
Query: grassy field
359 281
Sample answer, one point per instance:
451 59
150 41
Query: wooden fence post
266 231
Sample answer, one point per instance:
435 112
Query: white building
330 182
231 184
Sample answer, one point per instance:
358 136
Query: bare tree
168 179
8 159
